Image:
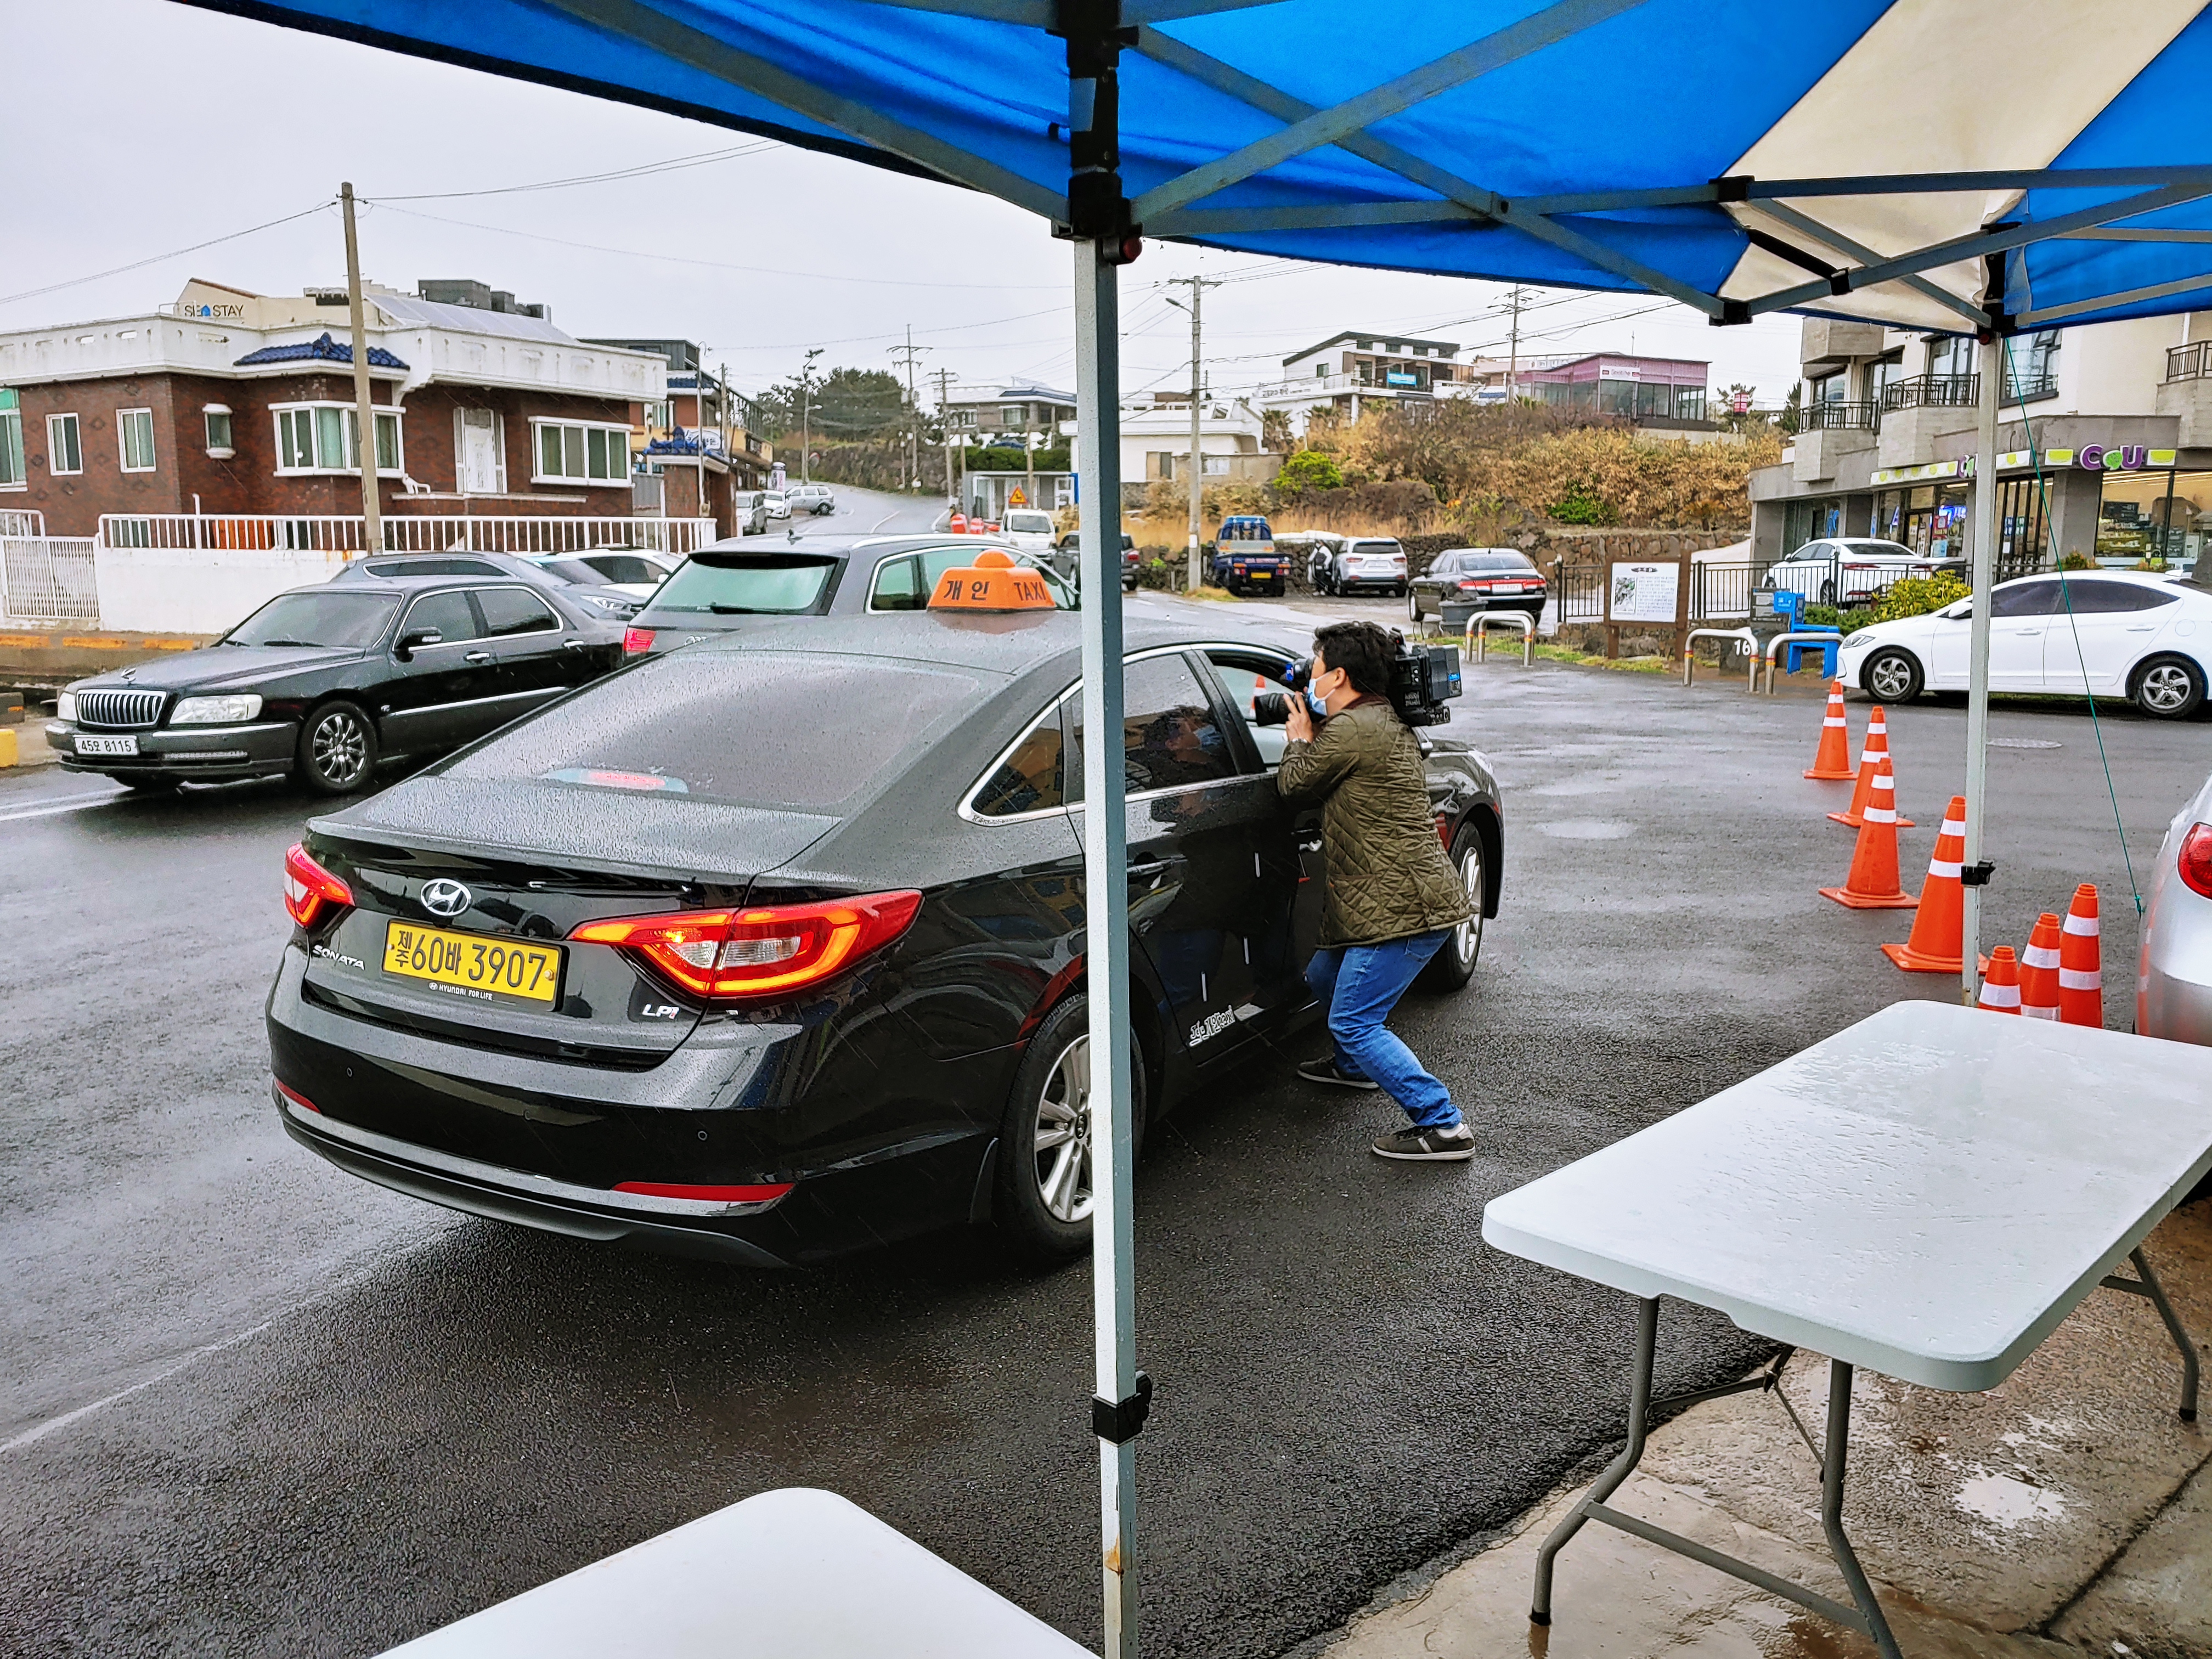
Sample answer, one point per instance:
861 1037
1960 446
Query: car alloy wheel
2168 689
339 750
1413 607
1061 1141
1454 965
1892 678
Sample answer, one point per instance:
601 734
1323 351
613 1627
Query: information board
1643 592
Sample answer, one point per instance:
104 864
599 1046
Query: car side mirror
410 643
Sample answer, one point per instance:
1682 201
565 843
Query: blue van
1244 557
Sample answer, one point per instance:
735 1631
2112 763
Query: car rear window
1371 547
1495 561
748 584
571 570
621 567
756 728
356 620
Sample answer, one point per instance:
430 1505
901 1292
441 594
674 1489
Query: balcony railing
2189 362
339 535
2027 391
1832 417
1933 391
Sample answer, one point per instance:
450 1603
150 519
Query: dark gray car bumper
207 753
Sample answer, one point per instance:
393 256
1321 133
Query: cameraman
1393 897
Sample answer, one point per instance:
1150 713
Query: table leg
1832 1454
2146 1285
1640 1403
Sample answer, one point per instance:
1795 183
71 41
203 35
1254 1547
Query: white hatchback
2106 633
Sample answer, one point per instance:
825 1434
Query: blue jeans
1359 984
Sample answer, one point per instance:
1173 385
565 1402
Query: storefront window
1689 403
1932 520
1810 521
2023 545
2154 519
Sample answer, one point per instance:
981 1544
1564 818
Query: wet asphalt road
251 1406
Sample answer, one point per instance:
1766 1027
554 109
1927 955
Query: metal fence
16 521
341 533
48 579
1717 591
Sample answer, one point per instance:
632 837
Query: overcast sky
134 128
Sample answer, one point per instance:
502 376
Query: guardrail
48 579
1742 636
404 532
1478 633
1774 647
23 521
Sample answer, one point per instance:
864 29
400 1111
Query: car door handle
1152 869
2144 628
576 644
478 656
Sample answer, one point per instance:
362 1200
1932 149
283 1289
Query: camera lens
1271 708
1299 674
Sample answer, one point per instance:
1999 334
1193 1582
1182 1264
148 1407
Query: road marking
52 1424
68 804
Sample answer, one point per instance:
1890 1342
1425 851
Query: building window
218 430
1015 415
659 416
134 432
568 453
11 448
321 438
64 444
2034 370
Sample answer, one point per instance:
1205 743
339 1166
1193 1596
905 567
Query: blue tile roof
322 349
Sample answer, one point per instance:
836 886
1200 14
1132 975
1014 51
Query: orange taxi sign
993 582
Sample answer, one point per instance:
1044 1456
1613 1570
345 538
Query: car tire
337 750
1451 968
1827 593
2168 688
1413 607
1040 1195
1892 677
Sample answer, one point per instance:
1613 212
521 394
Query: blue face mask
1314 702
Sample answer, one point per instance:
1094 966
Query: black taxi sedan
772 948
325 684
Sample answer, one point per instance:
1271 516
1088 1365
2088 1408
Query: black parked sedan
326 682
1465 581
733 585
772 949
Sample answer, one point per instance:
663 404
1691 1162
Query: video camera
1422 678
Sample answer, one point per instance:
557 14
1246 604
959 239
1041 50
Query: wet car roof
1009 644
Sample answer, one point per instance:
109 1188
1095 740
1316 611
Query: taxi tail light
765 951
2195 862
310 890
635 640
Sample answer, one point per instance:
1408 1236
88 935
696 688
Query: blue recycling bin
1788 609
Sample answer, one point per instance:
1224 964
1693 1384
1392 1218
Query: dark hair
1362 650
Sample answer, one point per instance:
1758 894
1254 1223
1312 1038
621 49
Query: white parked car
777 503
625 569
1840 569
1029 528
1365 567
2174 978
2109 633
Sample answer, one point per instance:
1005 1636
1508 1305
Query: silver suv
811 498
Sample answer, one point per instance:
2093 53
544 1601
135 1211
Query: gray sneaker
1452 1146
1324 1070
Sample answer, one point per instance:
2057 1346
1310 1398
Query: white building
1156 441
1349 370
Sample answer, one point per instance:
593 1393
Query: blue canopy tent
1984 165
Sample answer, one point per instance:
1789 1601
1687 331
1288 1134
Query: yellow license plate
472 963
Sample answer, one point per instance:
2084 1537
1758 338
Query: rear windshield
1029 524
357 620
1376 547
1494 561
571 570
748 584
757 728
1886 550
621 567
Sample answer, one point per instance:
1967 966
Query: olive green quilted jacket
1387 875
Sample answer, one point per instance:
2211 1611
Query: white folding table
794 1574
1927 1193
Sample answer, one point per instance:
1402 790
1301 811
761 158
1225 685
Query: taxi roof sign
993 582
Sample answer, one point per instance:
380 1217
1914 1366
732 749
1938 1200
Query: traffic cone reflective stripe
1872 884
2039 970
2080 963
1832 759
1937 931
1877 744
2001 990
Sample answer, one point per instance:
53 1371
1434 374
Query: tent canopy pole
1992 353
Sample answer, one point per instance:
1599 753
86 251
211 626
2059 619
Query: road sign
1015 498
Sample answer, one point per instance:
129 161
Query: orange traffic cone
1833 757
1937 931
2001 990
2080 963
1872 884
2039 970
1877 742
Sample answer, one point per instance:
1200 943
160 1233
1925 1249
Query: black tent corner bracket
1976 875
1119 1421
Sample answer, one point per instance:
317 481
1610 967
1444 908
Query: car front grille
118 708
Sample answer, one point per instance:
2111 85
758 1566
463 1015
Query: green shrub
1155 573
1310 469
1916 596
2077 561
1580 506
1827 616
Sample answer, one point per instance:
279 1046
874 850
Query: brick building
226 402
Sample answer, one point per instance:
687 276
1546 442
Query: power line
643 169
156 260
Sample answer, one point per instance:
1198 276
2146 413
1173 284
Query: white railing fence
48 579
23 521
404 532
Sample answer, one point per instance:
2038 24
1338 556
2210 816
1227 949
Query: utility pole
1513 353
907 354
806 414
944 415
1197 287
364 403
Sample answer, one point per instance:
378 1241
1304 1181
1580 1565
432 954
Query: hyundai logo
446 897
